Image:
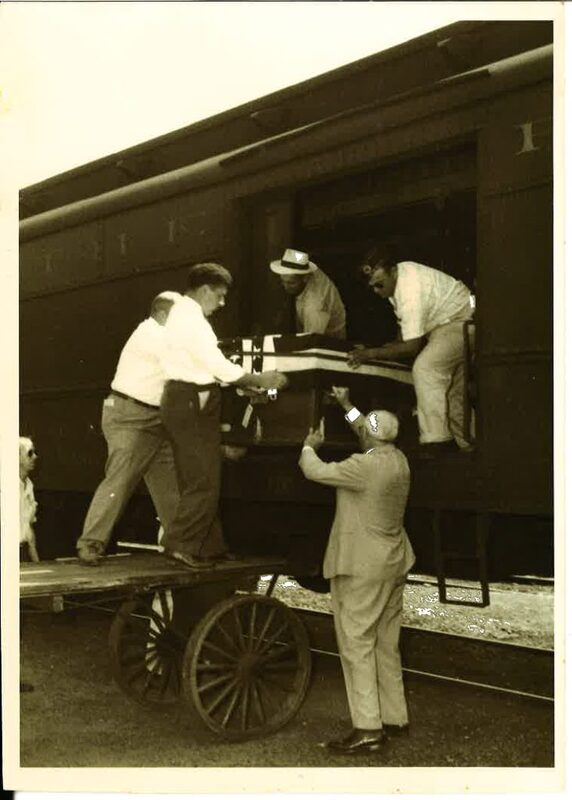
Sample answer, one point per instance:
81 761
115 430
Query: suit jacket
367 536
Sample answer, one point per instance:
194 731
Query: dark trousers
195 437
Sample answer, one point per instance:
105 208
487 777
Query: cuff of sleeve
234 374
411 333
307 447
352 414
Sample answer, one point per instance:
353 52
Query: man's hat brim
279 268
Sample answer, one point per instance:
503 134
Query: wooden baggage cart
238 661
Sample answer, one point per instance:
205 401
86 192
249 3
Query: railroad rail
498 666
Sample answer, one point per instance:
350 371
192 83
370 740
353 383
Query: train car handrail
469 373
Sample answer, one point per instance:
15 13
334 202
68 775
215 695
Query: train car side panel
514 319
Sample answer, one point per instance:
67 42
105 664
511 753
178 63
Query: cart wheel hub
248 664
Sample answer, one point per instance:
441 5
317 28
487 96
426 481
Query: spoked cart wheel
246 667
147 650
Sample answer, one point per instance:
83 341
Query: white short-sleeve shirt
426 298
139 371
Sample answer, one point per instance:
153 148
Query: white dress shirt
139 372
426 298
191 351
319 308
28 507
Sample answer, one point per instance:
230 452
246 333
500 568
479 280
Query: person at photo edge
28 504
28 510
137 443
190 409
367 560
432 309
314 303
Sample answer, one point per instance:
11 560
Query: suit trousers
367 617
138 447
195 529
439 378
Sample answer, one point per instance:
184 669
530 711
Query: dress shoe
359 741
396 730
226 556
90 554
195 562
26 687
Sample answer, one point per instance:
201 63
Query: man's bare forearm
395 350
262 380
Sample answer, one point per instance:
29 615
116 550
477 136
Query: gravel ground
76 717
518 613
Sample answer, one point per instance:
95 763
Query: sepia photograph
283 288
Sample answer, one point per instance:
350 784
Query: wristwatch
352 414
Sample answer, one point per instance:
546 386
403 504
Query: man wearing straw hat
367 561
316 303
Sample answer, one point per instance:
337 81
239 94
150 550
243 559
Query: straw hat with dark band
293 262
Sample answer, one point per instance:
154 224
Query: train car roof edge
81 211
398 51
463 43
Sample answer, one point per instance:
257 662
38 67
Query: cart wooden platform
238 660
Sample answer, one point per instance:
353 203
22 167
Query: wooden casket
313 364
267 506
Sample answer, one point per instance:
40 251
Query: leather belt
201 387
134 400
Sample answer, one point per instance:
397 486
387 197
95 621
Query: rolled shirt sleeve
426 298
191 352
210 355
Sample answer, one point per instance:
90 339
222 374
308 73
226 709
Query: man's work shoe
195 562
396 730
90 554
359 741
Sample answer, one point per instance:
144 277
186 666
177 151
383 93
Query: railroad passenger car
443 143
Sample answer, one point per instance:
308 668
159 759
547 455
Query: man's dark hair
208 274
382 254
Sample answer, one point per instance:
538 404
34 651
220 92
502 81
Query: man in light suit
367 560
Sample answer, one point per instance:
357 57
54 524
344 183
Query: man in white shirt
367 560
431 308
28 508
137 443
28 505
190 409
317 305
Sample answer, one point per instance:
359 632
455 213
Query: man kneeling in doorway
432 308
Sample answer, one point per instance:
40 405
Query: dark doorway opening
425 206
